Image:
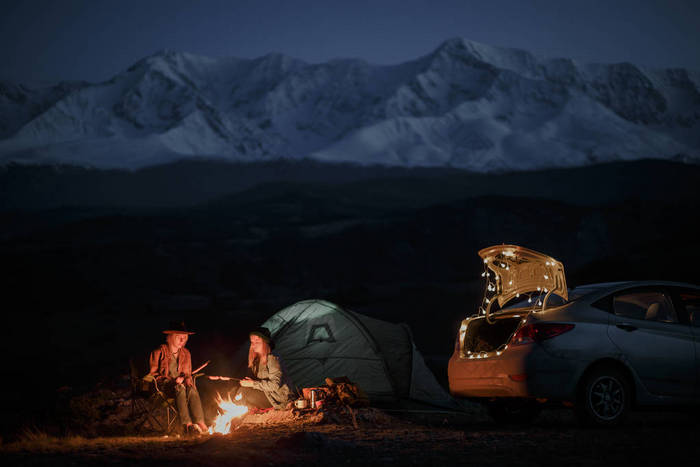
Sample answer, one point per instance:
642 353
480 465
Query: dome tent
316 339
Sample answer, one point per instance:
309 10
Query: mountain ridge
465 105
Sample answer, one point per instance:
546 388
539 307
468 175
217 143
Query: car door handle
627 327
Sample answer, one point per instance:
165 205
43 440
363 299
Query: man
171 365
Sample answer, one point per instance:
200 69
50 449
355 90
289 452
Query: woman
264 388
171 365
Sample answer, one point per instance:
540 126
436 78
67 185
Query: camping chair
152 410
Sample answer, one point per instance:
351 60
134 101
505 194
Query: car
601 349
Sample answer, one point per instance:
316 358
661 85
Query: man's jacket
160 360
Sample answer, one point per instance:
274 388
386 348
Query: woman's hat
264 334
177 328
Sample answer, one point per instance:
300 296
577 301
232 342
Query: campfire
228 410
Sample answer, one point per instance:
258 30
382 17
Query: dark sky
48 40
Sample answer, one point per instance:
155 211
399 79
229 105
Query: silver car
601 349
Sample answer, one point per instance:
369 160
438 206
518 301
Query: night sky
50 40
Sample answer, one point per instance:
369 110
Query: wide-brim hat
177 327
264 334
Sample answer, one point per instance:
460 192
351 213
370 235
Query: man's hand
247 382
179 379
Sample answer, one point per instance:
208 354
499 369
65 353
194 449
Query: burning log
228 412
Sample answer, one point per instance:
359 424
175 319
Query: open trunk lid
516 276
512 271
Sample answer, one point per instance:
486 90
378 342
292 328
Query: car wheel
604 398
513 412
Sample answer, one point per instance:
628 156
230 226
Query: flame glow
228 411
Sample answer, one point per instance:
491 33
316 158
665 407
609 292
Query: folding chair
152 410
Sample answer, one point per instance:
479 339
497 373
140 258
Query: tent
316 339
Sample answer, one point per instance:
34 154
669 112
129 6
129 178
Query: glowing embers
228 411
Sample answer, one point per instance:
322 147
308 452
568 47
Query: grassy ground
554 439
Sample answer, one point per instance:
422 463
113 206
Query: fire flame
228 410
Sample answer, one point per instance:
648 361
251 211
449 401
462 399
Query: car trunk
482 336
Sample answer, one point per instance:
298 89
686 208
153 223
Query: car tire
513 412
604 398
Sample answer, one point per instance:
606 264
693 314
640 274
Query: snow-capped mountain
465 105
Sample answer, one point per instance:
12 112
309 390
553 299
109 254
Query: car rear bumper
520 371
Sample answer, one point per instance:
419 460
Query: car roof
599 289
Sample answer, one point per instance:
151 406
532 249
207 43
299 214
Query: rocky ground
385 438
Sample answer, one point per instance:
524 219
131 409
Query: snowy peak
466 105
477 55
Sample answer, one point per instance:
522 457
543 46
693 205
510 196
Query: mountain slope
466 105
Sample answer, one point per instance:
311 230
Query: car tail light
537 332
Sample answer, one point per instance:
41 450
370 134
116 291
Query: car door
689 301
657 344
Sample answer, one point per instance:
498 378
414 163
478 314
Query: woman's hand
247 382
214 378
179 379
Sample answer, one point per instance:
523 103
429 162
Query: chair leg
148 414
172 416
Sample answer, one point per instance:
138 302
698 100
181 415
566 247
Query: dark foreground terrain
96 263
668 439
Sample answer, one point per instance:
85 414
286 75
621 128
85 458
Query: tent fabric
316 339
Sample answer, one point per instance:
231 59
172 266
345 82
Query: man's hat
177 327
264 334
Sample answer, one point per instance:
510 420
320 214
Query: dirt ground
659 439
